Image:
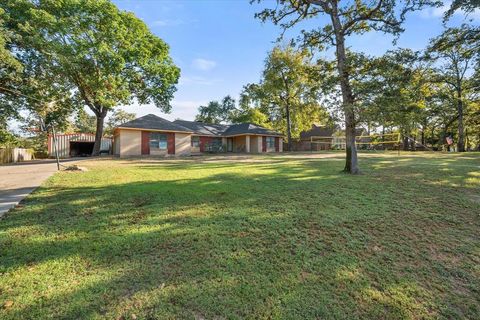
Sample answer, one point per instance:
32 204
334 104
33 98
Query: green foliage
8 139
288 93
337 20
108 57
455 54
468 6
84 122
118 117
10 68
217 111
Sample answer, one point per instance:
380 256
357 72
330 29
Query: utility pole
55 147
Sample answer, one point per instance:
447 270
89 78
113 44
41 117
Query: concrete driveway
19 180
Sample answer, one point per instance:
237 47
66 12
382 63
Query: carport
81 148
77 145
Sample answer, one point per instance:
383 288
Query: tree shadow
288 239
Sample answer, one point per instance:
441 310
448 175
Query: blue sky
220 47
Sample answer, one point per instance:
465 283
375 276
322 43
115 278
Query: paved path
18 180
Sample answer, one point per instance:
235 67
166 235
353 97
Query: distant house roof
202 128
153 122
317 131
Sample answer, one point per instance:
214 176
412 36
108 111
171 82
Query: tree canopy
217 111
106 56
336 22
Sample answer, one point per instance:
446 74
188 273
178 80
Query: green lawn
269 237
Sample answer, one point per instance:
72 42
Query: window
158 141
195 141
270 143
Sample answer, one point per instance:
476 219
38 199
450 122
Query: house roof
249 128
153 122
202 128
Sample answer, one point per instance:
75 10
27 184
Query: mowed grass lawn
282 237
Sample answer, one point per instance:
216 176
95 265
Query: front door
229 144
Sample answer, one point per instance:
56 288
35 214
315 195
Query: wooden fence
8 155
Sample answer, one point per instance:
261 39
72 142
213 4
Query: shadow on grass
289 239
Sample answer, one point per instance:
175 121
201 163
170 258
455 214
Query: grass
268 237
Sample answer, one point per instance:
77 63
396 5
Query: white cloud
439 12
168 23
203 64
196 80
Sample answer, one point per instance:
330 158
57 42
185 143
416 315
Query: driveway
18 180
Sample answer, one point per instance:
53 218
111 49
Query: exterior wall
255 144
204 140
247 143
130 143
183 144
280 148
116 145
154 152
224 144
239 144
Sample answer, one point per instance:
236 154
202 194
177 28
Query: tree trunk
351 161
466 139
405 143
99 132
289 129
460 142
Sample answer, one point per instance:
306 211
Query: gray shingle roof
249 128
151 121
202 128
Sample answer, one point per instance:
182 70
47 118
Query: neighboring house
152 135
318 137
326 138
321 136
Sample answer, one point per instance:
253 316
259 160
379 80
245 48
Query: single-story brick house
152 135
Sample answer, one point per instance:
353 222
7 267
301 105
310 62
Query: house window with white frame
195 142
158 141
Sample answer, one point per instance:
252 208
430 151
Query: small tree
288 92
84 122
217 111
117 118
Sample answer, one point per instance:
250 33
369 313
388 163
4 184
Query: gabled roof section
153 122
249 128
202 128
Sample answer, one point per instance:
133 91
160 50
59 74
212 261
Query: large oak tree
337 21
108 56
